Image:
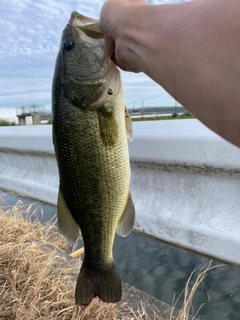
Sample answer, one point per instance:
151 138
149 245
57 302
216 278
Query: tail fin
104 284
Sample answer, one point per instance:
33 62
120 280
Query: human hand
115 16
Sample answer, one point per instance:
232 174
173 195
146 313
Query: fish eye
109 92
68 44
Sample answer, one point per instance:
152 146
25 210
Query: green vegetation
174 116
4 122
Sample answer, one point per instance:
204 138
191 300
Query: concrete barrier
185 181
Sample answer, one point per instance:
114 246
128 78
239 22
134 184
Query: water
162 271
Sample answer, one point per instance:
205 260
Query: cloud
166 1
30 33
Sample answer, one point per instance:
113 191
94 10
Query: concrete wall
185 181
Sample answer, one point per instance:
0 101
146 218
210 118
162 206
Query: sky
30 33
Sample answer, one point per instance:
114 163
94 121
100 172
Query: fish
90 128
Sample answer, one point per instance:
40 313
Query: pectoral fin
107 125
66 222
126 222
128 122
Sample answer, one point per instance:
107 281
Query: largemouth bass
90 129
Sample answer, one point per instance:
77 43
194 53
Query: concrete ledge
186 142
31 173
191 207
185 181
135 299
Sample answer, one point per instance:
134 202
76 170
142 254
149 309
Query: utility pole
142 106
176 106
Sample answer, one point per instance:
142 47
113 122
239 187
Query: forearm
198 61
193 51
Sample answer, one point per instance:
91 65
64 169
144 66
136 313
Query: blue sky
30 34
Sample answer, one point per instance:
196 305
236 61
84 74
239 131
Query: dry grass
37 276
189 292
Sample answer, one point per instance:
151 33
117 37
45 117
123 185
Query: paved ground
155 309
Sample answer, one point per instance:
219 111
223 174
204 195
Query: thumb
110 45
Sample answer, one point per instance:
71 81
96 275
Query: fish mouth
81 25
79 20
108 75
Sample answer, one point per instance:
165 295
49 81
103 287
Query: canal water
162 270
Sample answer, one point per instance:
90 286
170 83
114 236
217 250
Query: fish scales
90 186
90 131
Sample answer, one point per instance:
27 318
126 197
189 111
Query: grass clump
32 285
189 291
38 277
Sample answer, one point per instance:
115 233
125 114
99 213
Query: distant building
28 115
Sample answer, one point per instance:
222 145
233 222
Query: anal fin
66 222
126 222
